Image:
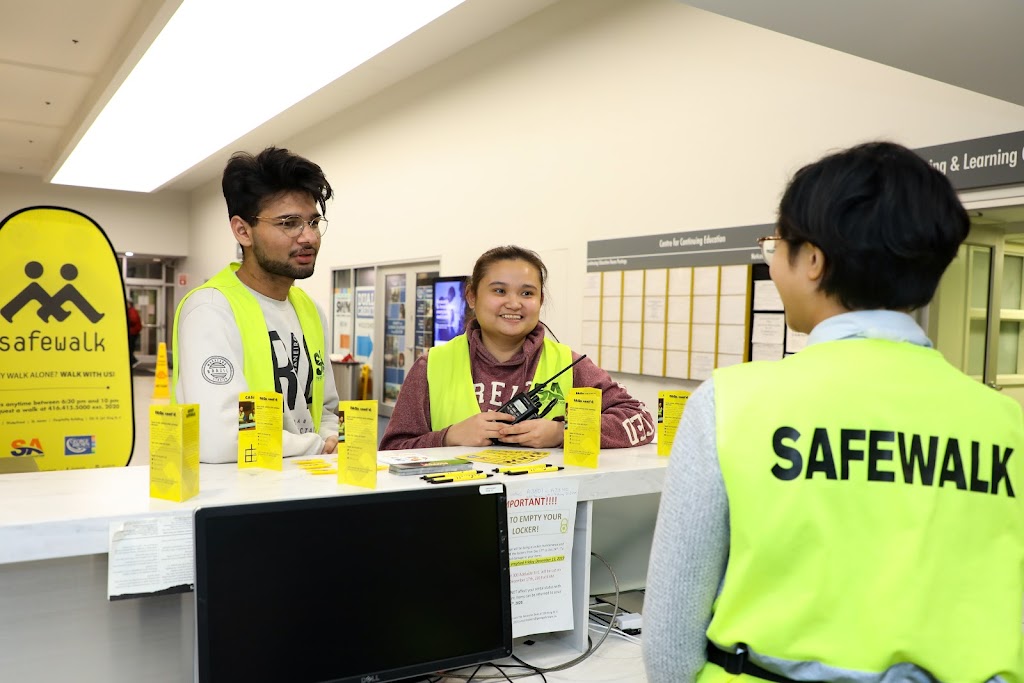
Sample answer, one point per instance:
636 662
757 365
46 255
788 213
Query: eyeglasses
293 225
767 245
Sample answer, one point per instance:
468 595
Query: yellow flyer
259 430
174 452
357 443
499 456
582 427
670 412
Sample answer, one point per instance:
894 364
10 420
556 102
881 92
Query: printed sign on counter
357 443
260 423
174 452
670 411
582 427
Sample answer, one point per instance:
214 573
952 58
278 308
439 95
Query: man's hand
534 433
477 430
330 446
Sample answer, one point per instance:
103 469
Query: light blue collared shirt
874 324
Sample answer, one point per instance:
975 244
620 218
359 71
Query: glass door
149 302
965 318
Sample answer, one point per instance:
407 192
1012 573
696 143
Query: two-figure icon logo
50 306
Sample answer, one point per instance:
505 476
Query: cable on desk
530 671
540 671
590 645
616 632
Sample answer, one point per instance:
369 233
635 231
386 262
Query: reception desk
57 623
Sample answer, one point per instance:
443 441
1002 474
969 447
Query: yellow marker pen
451 475
526 469
446 480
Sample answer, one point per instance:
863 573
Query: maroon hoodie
624 420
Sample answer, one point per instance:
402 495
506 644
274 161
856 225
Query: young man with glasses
249 328
852 512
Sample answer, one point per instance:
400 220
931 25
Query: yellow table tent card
259 430
670 412
357 443
582 427
173 452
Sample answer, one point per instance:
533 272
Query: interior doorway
977 317
149 283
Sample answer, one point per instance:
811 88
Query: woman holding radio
451 396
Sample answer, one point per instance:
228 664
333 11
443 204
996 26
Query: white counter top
46 515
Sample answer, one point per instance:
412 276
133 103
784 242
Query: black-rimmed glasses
767 245
293 225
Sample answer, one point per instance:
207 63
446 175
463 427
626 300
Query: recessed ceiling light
129 253
197 89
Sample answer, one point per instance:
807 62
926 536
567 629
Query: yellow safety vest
257 368
875 512
450 380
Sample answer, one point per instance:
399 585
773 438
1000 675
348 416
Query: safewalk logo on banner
64 357
51 307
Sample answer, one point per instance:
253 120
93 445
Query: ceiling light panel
221 68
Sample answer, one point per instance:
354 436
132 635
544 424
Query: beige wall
143 223
596 119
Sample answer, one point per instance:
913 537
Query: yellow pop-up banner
64 359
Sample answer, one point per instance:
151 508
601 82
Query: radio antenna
538 387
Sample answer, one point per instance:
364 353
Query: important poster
65 379
541 524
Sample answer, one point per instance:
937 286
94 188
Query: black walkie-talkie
527 405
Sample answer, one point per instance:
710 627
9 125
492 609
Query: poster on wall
424 319
342 321
364 324
394 337
64 361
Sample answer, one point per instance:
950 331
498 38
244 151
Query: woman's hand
534 433
330 446
477 430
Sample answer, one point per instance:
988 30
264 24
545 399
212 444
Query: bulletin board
770 337
673 305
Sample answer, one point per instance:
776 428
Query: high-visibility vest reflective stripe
450 380
257 356
875 510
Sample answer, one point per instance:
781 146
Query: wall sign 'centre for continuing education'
715 247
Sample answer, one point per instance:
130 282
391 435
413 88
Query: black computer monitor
370 587
449 308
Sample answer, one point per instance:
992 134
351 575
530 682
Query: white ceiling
61 59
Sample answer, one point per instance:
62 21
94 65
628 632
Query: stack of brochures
430 466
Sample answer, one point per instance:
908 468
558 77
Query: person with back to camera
849 513
249 328
451 395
